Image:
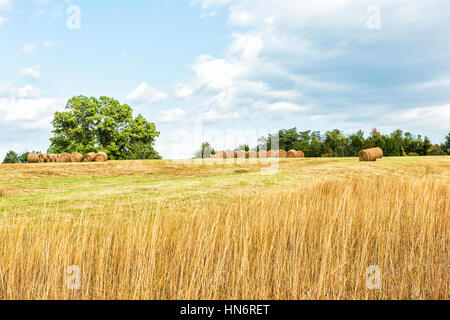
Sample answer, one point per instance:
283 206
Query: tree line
337 144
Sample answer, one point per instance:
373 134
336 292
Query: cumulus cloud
29 49
172 115
146 94
30 73
317 65
11 92
29 113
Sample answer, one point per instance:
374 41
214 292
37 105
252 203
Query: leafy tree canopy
104 124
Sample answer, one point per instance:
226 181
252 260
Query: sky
227 71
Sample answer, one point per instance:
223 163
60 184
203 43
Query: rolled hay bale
272 154
380 153
241 154
262 154
42 157
33 158
291 154
64 157
231 154
370 154
251 154
101 157
89 157
45 158
221 155
299 154
282 153
76 157
212 156
51 157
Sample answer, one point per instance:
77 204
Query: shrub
11 157
434 151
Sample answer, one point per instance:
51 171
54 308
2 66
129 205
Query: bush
413 154
23 158
434 151
11 157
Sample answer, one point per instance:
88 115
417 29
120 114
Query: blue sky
227 71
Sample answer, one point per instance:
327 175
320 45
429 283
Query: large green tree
104 124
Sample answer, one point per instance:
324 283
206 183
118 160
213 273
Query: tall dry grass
314 242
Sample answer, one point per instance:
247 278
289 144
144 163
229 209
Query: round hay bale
212 156
282 153
241 154
262 154
272 154
51 157
45 157
299 154
370 154
379 152
251 154
64 157
41 158
89 157
101 157
221 155
76 157
231 154
291 154
33 158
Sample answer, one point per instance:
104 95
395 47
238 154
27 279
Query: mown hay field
168 230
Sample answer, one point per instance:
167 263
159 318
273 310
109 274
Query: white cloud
146 94
30 73
26 92
286 107
184 91
29 49
35 113
173 115
430 117
5 4
3 20
51 43
215 74
214 115
248 46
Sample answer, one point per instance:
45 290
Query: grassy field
167 230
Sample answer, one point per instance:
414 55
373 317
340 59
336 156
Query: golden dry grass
162 230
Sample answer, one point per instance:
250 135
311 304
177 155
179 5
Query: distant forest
336 144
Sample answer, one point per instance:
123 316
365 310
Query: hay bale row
65 157
371 154
33 158
261 154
